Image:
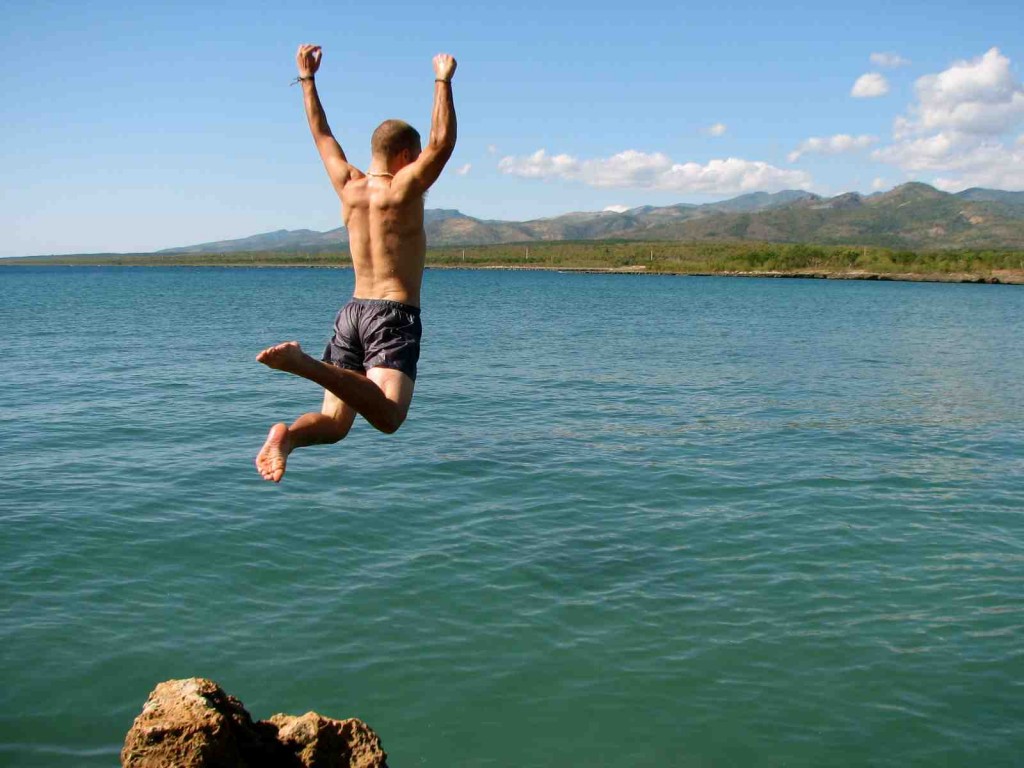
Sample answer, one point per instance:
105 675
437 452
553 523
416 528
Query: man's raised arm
424 171
338 168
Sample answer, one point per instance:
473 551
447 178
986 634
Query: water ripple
713 521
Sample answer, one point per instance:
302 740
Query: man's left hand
444 66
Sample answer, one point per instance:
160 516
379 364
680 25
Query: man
369 366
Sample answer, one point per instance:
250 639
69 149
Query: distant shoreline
1006 277
996 277
726 259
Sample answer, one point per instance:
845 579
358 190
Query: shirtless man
369 366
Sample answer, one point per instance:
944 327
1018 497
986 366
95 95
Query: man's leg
381 397
397 388
329 426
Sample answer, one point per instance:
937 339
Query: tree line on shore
700 257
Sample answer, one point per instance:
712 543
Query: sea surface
631 520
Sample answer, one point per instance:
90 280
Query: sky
131 127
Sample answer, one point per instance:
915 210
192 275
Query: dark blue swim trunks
376 333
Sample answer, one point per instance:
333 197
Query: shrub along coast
700 258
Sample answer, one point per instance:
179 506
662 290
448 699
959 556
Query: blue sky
134 127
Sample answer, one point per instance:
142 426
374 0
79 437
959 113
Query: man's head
397 143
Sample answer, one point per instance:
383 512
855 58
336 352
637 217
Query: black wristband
300 79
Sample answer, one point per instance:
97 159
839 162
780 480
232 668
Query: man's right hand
444 66
308 59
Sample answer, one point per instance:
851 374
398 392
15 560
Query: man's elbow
443 145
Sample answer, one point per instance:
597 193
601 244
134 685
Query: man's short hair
392 136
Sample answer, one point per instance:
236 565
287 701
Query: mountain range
912 216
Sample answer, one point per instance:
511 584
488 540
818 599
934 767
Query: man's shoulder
356 192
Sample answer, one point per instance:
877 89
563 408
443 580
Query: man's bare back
369 367
386 239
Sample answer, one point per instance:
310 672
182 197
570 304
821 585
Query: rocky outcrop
194 724
321 742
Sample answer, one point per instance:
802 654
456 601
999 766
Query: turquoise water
631 521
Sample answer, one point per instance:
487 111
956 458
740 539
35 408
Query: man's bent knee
341 429
389 420
389 423
339 413
397 388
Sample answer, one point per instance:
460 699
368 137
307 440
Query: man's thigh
396 386
337 409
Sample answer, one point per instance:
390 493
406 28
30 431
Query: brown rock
194 724
320 742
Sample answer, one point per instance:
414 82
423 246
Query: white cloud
539 165
615 208
1020 140
879 184
491 149
889 60
869 86
464 169
958 126
657 171
831 145
929 153
981 96
985 163
996 167
718 129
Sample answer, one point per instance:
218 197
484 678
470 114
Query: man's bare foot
274 454
284 357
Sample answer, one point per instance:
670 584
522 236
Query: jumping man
369 366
